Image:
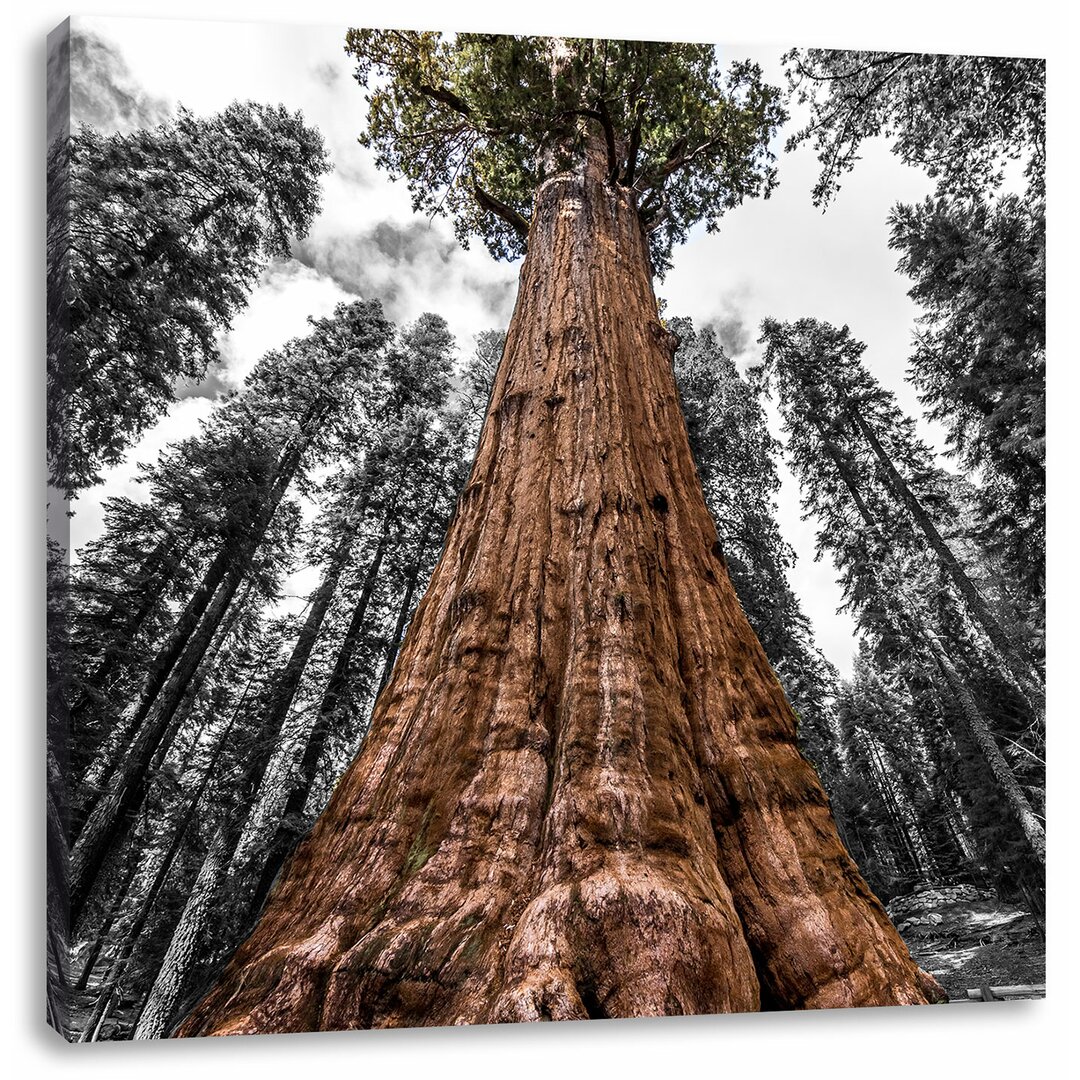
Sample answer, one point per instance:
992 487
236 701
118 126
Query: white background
1030 1040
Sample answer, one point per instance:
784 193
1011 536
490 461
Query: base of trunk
581 794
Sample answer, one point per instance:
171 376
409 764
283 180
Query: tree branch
603 117
446 97
609 137
678 158
632 153
508 214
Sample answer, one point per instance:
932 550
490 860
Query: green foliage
961 118
474 124
155 240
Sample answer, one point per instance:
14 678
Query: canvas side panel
58 126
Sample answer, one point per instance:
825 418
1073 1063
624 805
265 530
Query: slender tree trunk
112 752
216 866
109 821
158 1010
115 907
125 624
901 817
231 562
179 638
984 739
938 820
169 984
581 794
186 623
120 894
110 984
346 653
961 831
161 874
287 681
287 832
170 675
1019 671
405 608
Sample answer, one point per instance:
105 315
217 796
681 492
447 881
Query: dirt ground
982 943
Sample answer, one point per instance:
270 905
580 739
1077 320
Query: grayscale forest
551 736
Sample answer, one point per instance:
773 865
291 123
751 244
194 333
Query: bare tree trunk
405 608
161 874
287 680
102 936
347 650
175 665
109 821
976 723
1016 669
991 753
581 794
152 581
111 982
226 569
134 854
287 832
158 1010
901 817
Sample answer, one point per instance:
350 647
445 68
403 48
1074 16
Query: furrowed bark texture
580 795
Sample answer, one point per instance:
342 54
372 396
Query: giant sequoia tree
581 794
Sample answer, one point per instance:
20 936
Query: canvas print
540 528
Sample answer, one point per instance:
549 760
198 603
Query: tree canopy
961 118
475 123
156 238
979 273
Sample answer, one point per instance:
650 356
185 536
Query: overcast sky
778 257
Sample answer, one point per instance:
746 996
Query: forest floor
970 942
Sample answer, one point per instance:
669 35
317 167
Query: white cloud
277 312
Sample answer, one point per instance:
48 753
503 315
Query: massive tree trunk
581 794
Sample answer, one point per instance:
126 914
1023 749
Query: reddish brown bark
581 794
